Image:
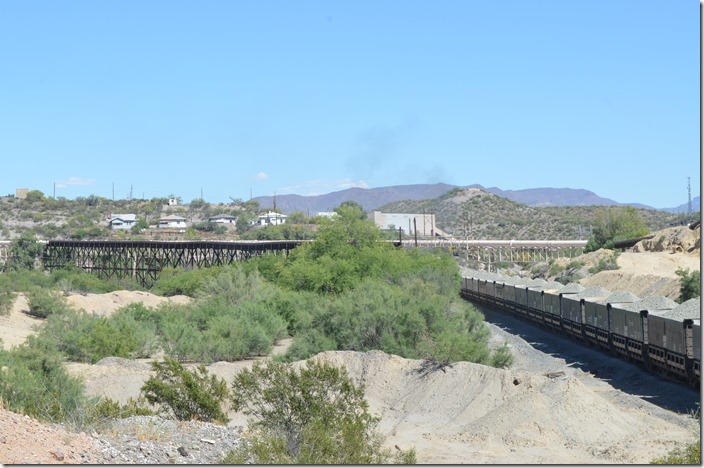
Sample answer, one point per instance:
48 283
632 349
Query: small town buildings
172 222
122 221
271 218
223 219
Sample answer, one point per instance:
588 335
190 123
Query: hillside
477 214
462 212
373 198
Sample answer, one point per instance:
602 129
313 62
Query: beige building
424 223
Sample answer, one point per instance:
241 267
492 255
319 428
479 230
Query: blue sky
227 98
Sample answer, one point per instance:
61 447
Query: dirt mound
24 441
18 325
471 413
106 304
678 239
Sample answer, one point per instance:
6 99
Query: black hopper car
655 331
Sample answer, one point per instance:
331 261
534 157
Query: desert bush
107 408
176 281
214 330
414 319
7 295
44 302
185 394
555 268
312 416
688 455
83 337
34 382
690 284
610 263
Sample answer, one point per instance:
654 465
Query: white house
122 221
172 221
223 219
271 218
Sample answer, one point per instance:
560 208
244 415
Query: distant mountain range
373 198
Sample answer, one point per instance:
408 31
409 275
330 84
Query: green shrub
34 382
610 263
690 284
614 224
688 455
83 337
7 295
176 281
108 408
25 251
417 318
44 302
312 416
186 395
555 268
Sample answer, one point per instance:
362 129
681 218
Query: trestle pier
144 260
494 252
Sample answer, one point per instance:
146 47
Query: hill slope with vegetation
463 213
476 214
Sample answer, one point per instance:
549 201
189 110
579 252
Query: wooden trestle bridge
144 260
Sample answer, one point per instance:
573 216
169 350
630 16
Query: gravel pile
691 309
592 291
153 440
620 297
652 303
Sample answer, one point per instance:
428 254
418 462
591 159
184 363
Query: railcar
696 350
654 331
534 302
626 330
552 316
572 316
651 331
666 341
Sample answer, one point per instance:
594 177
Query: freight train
655 331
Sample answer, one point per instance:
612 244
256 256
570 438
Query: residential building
223 219
271 218
172 221
122 221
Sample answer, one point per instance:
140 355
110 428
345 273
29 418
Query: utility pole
689 192
415 231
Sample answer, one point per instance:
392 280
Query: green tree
690 284
312 416
24 251
139 225
614 224
35 196
297 217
